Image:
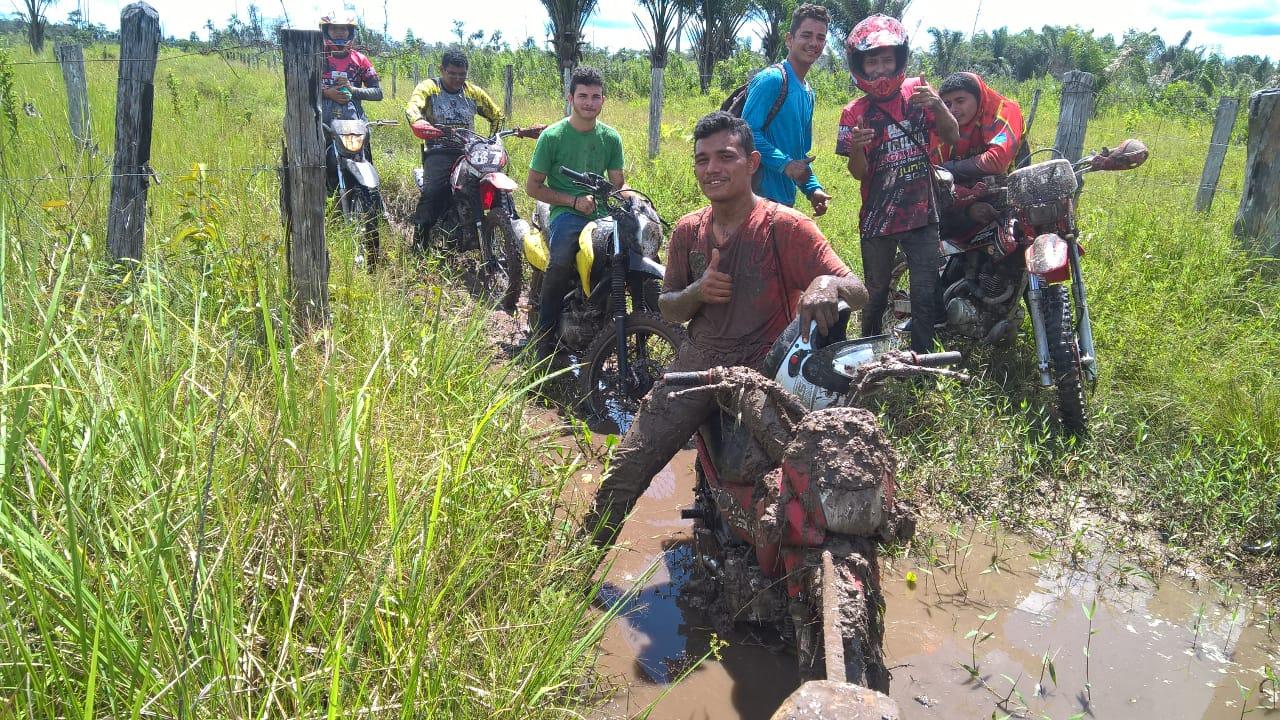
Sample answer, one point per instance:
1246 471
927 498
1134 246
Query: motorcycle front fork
1034 294
619 292
1084 328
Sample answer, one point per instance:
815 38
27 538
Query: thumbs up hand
715 287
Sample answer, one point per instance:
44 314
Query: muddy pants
923 260
436 193
660 429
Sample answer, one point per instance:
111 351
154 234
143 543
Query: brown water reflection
1160 649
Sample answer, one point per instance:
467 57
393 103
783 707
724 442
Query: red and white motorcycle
482 215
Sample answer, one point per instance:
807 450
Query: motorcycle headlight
353 143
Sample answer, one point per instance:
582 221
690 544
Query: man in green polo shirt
579 143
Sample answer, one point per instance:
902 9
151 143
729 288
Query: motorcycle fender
586 257
499 182
364 172
640 263
1047 258
536 250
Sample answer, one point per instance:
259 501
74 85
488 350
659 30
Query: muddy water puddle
1163 648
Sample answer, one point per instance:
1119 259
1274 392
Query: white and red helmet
877 31
334 45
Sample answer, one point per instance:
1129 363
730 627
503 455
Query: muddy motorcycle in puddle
482 213
621 352
1029 255
795 488
356 181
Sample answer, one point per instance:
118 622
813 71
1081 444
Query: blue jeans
560 270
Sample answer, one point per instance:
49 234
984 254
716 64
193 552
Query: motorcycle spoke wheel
1064 359
898 284
652 344
499 278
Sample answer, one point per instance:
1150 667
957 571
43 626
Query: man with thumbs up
738 271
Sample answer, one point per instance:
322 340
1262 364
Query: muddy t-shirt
897 194
764 299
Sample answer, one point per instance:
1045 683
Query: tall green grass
202 517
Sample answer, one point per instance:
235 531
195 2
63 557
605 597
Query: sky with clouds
1234 27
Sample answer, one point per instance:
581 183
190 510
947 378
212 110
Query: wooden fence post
395 70
417 75
135 95
1222 126
303 189
657 82
1258 220
1073 120
508 87
71 58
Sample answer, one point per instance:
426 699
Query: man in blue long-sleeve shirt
785 140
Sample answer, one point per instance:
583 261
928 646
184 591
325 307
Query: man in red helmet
885 134
347 80
348 77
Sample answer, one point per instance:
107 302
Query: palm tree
33 13
715 33
947 47
567 18
662 29
774 14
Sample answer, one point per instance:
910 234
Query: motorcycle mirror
1126 156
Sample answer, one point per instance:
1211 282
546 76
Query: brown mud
1159 648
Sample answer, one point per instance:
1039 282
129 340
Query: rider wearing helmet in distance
347 80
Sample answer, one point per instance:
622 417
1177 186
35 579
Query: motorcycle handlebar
688 379
591 181
942 359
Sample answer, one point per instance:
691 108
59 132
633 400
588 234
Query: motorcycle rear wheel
501 274
652 344
1064 359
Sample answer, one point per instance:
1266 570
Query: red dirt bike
482 212
1027 255
791 502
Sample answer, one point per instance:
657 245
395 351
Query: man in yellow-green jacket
448 101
